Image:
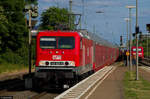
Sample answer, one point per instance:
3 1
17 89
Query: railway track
38 96
145 61
146 68
28 94
43 95
16 89
3 91
12 84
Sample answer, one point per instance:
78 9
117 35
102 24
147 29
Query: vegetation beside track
7 67
136 89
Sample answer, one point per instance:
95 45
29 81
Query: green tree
13 31
55 18
13 10
35 2
3 27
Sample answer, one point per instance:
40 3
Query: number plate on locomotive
57 63
56 57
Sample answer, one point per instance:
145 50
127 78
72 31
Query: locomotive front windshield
139 49
57 42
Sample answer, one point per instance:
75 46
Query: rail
38 96
11 84
145 61
145 68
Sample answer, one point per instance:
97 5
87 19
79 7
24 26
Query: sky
110 24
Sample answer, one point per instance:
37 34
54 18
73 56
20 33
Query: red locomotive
62 57
140 51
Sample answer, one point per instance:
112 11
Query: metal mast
137 31
70 10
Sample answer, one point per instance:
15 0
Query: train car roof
58 33
96 38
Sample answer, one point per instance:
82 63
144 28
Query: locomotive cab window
139 49
47 42
66 42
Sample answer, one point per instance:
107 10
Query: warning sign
127 53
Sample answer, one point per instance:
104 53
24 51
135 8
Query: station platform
108 87
111 87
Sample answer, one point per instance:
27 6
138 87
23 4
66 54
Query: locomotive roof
93 36
96 38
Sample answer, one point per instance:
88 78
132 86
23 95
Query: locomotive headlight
41 63
66 63
72 63
46 63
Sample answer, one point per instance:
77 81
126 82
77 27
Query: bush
10 57
14 58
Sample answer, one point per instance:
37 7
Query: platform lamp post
127 42
99 12
130 36
94 28
136 34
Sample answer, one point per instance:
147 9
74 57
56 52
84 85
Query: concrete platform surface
111 87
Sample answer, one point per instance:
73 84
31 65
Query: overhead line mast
70 17
137 31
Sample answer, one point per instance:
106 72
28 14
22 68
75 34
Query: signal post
33 13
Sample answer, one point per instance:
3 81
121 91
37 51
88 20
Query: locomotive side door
83 56
93 55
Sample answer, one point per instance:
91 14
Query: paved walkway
112 86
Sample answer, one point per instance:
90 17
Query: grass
6 67
136 89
